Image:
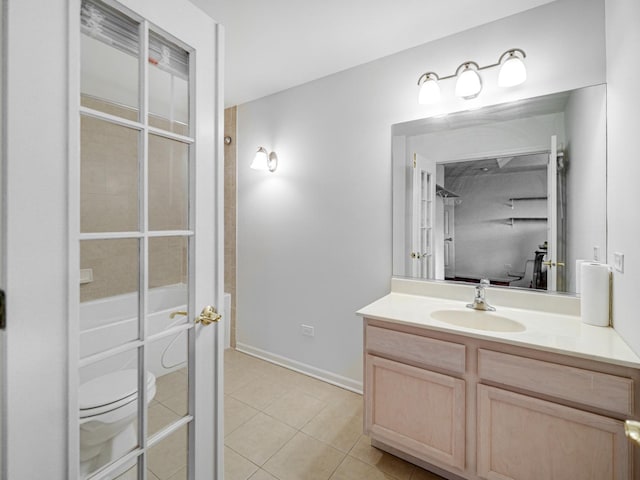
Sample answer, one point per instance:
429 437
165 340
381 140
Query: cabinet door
415 410
524 438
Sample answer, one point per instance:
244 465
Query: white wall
314 238
623 38
585 116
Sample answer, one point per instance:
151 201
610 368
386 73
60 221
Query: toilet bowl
108 412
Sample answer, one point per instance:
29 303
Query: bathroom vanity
520 393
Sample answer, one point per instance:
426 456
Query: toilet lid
119 388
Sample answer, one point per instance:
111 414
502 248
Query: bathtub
112 321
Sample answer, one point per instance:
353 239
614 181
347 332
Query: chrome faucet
479 302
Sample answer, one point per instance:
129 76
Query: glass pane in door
109 176
168 85
167 359
167 316
110 50
168 184
168 272
108 400
168 458
109 299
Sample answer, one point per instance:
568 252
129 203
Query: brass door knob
208 316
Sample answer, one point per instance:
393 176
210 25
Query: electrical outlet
618 261
596 253
307 330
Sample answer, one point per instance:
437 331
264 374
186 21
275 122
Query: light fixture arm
428 76
465 66
511 53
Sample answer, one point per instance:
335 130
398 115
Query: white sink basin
478 320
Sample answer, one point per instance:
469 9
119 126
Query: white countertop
552 332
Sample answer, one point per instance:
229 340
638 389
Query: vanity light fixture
264 160
469 82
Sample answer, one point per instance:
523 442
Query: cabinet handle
632 430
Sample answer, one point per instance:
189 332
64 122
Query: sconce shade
264 160
260 160
469 83
429 90
512 72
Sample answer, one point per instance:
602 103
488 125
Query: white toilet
108 412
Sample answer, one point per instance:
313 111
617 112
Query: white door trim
36 361
552 216
218 372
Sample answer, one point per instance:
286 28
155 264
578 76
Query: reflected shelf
513 220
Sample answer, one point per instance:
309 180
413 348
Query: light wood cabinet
476 409
524 438
417 410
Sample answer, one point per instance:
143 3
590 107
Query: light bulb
429 91
512 72
468 84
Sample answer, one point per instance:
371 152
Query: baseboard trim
325 376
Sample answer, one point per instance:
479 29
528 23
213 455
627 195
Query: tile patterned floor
279 425
282 425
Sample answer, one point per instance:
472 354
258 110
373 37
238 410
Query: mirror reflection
515 193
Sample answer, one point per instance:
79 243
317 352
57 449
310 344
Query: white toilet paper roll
579 263
595 293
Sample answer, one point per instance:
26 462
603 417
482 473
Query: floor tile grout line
337 467
239 454
275 453
338 450
290 385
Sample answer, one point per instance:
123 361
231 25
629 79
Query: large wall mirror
515 192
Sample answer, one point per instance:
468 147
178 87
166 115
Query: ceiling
272 45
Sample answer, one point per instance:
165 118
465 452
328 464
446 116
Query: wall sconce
264 160
469 83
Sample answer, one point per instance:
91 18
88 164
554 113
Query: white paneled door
148 212
114 241
423 214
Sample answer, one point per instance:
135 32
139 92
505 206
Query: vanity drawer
596 389
414 348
